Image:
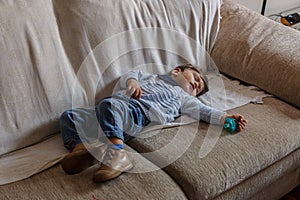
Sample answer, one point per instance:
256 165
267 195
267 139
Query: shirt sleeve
196 109
134 74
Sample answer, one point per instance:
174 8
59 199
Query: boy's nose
195 85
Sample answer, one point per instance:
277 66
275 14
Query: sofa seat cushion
272 134
271 183
54 183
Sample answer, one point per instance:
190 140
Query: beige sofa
47 48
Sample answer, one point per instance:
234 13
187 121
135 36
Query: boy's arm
197 110
130 82
135 74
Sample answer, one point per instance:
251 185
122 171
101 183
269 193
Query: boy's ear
175 71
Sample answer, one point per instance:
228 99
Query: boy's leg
120 118
117 117
80 157
68 129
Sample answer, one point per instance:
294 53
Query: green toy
230 125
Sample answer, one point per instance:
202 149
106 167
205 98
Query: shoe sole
127 169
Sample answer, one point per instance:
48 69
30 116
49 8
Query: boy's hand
133 89
240 120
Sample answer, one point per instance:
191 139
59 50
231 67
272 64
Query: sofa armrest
259 51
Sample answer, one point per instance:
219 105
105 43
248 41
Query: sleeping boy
144 99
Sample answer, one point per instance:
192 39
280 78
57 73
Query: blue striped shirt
163 100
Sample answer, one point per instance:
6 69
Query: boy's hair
204 78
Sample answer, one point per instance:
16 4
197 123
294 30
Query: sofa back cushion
108 38
259 51
35 75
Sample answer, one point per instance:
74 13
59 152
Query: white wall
252 4
272 7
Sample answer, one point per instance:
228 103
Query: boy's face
189 80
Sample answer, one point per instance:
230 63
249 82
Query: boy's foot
115 162
80 158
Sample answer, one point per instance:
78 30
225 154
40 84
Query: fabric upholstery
55 184
63 53
274 181
259 51
116 36
36 77
234 158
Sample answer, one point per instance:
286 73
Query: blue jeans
117 117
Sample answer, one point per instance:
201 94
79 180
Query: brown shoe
115 162
80 158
